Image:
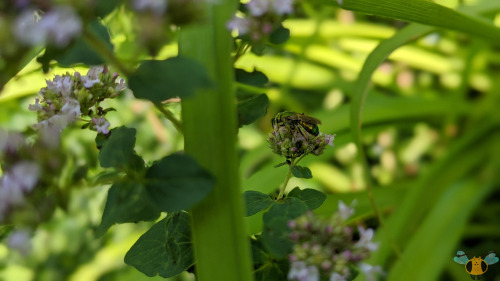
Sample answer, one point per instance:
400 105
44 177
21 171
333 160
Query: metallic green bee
296 120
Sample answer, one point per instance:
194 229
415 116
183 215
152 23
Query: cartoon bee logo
476 267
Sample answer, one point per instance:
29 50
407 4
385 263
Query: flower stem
170 116
287 178
101 48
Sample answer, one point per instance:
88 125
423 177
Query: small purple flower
282 7
156 6
365 240
258 8
337 277
346 211
19 240
101 125
61 24
370 271
299 271
72 108
35 107
240 24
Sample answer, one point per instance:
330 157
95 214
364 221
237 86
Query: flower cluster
57 27
327 249
68 97
295 141
19 175
264 16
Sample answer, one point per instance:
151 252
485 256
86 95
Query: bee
476 267
297 120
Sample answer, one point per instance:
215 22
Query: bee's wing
491 258
461 258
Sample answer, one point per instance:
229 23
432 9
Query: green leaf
177 182
127 202
425 12
450 216
291 208
165 249
271 271
280 35
174 77
256 201
275 234
301 172
252 109
311 197
79 52
118 150
254 78
105 7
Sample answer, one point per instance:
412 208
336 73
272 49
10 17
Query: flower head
300 271
58 26
293 137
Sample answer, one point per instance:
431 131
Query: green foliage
268 268
127 202
118 150
174 77
311 197
256 201
301 172
165 249
280 35
251 109
177 182
254 78
275 233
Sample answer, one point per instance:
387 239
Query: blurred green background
430 135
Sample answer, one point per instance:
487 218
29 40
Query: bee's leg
473 276
479 276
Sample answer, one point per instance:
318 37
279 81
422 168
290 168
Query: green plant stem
101 48
293 163
170 116
221 245
287 178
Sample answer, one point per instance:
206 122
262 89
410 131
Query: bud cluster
295 141
68 97
326 249
263 17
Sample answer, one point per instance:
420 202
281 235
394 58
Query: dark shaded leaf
256 201
276 233
276 236
271 271
127 202
166 248
177 182
105 7
311 197
280 35
291 208
118 150
174 77
254 78
252 109
301 172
